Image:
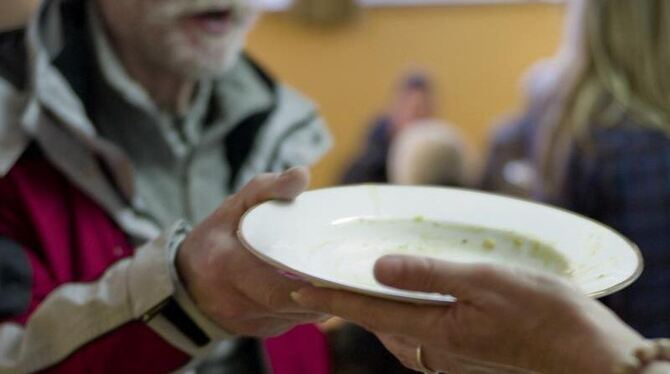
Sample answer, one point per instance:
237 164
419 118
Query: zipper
186 184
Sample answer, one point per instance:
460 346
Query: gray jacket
45 77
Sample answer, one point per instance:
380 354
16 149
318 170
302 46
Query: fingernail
392 263
387 268
297 297
292 276
291 183
289 172
285 174
300 298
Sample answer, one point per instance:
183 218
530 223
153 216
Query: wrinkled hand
228 284
503 318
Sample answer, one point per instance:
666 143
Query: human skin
233 288
504 318
167 46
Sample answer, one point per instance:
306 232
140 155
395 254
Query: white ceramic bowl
332 237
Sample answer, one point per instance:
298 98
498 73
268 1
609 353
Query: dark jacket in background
370 165
624 182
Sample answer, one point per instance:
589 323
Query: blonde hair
615 62
428 152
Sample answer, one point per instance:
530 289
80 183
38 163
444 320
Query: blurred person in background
604 142
120 121
600 143
509 168
430 153
412 102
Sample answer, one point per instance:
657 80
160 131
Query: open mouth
214 21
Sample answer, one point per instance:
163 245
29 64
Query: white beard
211 56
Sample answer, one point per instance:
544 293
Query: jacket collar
55 41
51 110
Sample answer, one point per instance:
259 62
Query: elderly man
119 121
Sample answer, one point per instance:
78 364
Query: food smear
352 246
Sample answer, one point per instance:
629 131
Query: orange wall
476 53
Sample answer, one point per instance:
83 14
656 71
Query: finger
402 348
418 321
464 281
291 183
423 274
265 327
406 350
301 318
271 326
285 186
246 309
267 287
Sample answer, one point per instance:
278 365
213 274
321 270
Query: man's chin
195 66
202 59
210 71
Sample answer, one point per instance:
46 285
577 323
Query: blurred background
350 61
476 55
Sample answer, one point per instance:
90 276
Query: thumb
430 275
285 186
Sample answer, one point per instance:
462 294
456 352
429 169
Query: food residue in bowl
353 246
